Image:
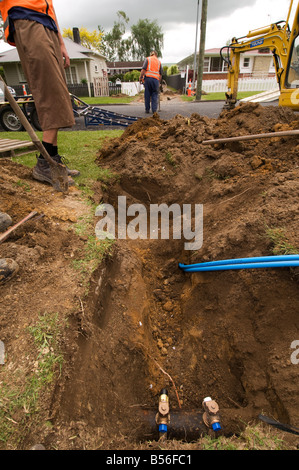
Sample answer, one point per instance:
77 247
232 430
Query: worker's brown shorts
42 63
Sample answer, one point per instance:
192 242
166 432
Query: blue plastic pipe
227 267
263 259
244 263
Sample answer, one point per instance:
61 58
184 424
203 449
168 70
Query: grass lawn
221 96
107 99
80 148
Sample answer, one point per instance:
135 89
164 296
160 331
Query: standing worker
31 26
151 74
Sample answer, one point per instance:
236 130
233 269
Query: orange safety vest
153 67
42 6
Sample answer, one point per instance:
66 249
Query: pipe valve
211 416
163 415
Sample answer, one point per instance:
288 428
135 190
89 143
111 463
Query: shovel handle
252 137
6 234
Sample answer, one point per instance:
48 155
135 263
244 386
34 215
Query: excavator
283 42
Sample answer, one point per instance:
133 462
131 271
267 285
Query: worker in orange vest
31 26
151 75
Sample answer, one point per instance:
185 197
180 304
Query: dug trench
227 335
146 325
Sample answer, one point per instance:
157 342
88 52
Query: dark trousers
151 93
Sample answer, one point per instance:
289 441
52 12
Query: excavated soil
144 324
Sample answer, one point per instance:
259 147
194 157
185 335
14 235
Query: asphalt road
168 110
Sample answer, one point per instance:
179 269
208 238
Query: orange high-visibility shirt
41 6
153 67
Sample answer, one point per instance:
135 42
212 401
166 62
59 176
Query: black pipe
184 425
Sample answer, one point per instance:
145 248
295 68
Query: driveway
168 110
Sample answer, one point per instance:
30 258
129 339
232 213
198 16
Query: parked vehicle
9 121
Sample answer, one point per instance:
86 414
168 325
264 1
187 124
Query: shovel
59 174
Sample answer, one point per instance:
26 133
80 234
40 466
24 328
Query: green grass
280 242
20 397
107 99
220 96
252 438
80 148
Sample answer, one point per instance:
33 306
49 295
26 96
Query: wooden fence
101 86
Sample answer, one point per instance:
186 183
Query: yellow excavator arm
283 42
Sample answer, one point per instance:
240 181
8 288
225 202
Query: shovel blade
59 178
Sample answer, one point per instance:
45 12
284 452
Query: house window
246 62
272 68
215 65
22 78
71 75
224 66
96 68
206 65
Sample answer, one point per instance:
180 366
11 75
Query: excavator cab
284 45
289 95
292 74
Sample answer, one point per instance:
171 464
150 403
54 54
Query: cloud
104 12
226 18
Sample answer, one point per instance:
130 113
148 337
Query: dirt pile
145 324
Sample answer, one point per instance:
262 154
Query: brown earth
145 324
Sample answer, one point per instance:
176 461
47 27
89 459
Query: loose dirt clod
145 325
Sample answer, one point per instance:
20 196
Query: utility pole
204 17
195 53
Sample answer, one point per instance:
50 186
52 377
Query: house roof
75 51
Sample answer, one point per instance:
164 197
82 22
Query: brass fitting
211 416
163 415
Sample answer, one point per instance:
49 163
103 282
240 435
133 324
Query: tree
172 70
115 46
146 36
92 40
132 76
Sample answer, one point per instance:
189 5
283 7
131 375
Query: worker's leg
42 62
50 136
155 95
147 95
41 171
50 143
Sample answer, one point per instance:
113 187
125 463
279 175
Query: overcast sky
226 18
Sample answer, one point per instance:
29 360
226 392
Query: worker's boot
8 269
64 161
42 172
5 221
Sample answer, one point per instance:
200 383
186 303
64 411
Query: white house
254 64
86 66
